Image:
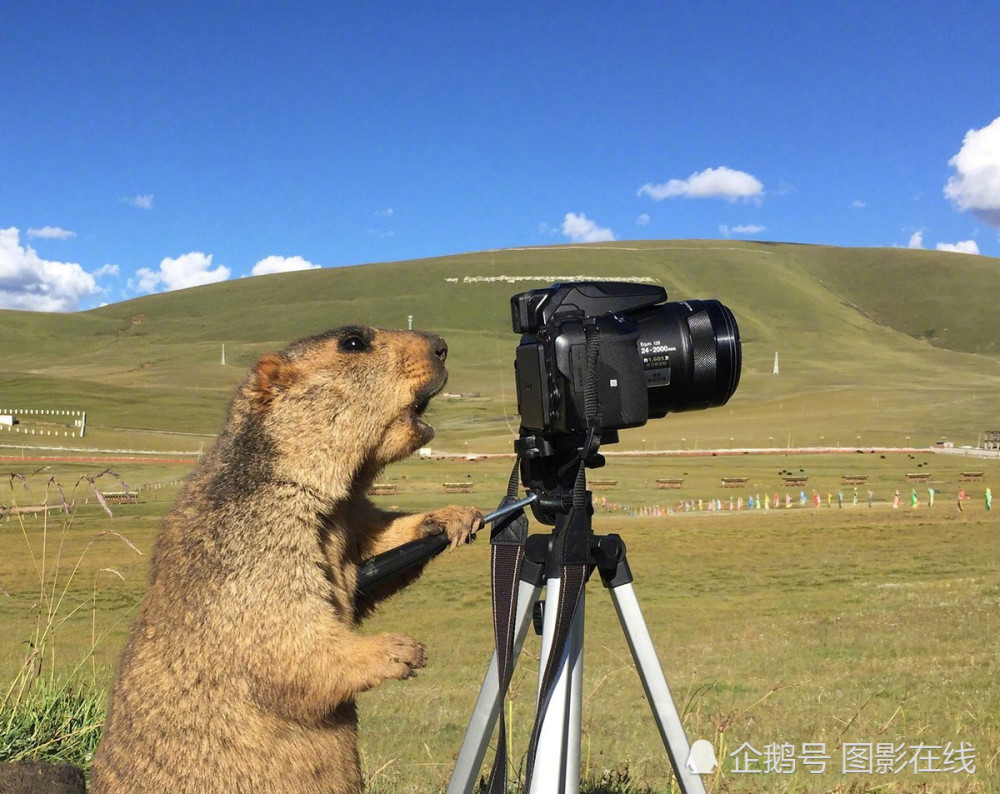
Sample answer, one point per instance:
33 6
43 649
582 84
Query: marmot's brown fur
243 663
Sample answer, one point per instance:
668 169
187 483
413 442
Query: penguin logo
701 759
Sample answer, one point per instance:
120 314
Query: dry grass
788 627
792 626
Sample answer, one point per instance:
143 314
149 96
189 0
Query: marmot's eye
355 343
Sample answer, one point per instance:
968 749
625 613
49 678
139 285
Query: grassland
790 626
798 625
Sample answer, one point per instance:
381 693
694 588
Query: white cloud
642 220
388 212
858 204
146 280
963 247
916 239
193 269
282 264
580 229
29 282
107 270
51 233
718 182
746 228
975 185
144 201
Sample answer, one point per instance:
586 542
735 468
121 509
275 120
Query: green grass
53 723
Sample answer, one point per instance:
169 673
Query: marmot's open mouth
419 405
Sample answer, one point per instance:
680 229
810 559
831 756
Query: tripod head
550 468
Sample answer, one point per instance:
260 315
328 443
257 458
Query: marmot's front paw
460 524
402 655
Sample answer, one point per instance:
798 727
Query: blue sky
152 146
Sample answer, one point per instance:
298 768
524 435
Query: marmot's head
343 402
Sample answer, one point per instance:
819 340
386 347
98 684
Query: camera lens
690 354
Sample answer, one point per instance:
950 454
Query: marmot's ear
272 375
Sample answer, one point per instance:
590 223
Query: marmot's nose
440 348
438 345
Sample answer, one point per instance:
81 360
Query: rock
36 778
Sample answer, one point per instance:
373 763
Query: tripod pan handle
371 573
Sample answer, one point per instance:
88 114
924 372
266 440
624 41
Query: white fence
26 421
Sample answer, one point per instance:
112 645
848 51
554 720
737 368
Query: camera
612 355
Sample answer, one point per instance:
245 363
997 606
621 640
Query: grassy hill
876 346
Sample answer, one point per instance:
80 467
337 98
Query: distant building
8 420
991 439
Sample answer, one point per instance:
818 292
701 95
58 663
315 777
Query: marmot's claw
460 524
403 654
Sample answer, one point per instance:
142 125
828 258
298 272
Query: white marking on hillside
632 248
515 279
632 279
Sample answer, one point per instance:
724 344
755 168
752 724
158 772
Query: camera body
613 355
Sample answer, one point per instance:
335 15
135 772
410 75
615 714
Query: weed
53 722
52 709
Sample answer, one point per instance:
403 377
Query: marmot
243 663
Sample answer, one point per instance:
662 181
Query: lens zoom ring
703 355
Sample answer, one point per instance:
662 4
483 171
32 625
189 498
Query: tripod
558 740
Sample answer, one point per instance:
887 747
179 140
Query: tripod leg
557 757
487 708
655 684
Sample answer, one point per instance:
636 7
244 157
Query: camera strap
571 548
570 556
507 541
